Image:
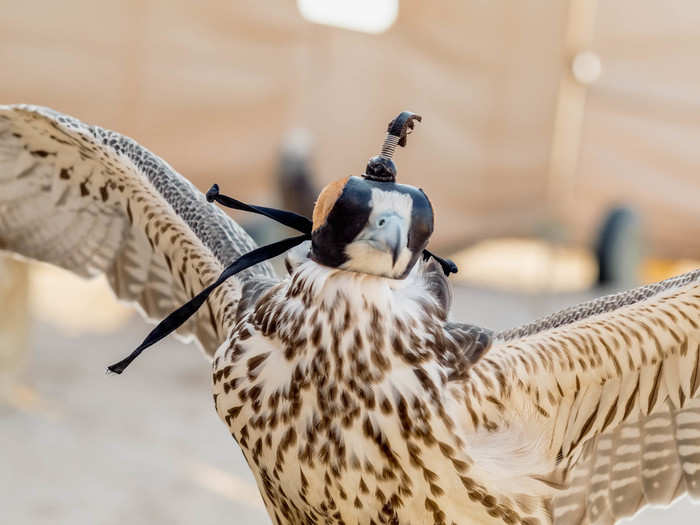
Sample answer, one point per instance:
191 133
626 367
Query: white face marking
366 258
384 201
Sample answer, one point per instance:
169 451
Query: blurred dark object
295 181
619 248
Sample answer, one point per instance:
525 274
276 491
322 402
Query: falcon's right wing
93 201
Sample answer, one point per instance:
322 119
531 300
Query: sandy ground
79 447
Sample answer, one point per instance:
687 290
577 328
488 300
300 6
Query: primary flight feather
352 396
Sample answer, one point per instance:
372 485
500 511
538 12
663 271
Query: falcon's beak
387 235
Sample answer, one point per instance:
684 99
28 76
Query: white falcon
352 396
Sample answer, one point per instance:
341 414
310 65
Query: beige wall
213 86
641 133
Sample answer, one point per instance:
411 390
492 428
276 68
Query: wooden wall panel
641 135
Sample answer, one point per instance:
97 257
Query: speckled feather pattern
334 395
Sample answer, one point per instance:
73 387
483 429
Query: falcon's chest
336 391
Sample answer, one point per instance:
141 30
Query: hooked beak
387 235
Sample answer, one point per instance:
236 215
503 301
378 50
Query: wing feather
95 202
687 435
612 388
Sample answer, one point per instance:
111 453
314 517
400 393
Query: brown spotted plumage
352 395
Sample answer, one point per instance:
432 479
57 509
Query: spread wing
608 393
93 201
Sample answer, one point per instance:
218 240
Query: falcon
352 395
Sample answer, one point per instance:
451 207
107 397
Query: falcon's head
371 226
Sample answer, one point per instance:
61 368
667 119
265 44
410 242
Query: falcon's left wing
95 202
608 393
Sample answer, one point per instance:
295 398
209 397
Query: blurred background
559 147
